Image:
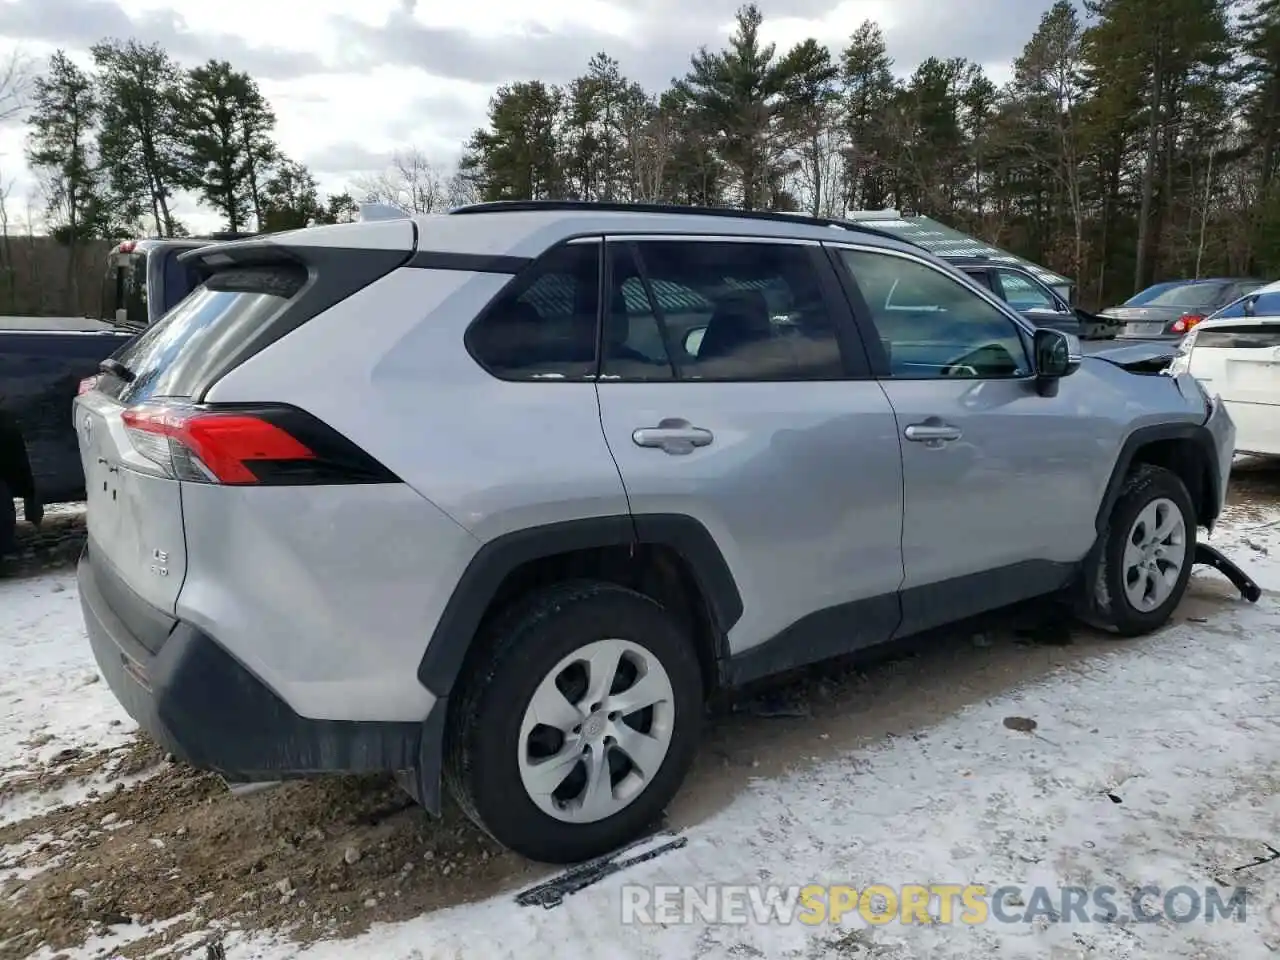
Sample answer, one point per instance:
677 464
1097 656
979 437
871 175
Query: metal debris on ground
551 893
1259 861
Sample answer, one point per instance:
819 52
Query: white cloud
351 83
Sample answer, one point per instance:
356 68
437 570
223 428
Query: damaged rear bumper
200 704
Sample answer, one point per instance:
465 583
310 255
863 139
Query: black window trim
871 335
853 354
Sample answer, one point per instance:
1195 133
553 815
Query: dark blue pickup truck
43 361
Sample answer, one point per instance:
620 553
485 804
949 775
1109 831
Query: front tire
1148 549
579 725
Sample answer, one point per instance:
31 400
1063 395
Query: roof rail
777 216
221 236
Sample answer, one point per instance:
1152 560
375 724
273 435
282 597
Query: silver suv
498 498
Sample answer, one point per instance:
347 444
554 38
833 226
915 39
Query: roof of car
526 229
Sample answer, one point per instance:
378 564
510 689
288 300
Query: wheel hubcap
1154 554
596 731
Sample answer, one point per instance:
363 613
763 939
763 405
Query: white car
1235 353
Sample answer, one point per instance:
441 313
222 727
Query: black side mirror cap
1057 355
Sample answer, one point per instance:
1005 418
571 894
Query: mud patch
316 858
56 543
77 765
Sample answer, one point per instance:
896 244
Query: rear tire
1148 549
8 521
546 749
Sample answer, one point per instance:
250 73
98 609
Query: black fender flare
491 564
1194 433
454 632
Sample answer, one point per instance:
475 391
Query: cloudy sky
352 82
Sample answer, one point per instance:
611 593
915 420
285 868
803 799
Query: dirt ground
160 844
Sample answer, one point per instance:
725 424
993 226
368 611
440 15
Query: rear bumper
1257 427
203 706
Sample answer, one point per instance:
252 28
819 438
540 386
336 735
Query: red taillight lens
1186 322
210 446
269 445
87 384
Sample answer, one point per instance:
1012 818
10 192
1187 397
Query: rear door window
172 355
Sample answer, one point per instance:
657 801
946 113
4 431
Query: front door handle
673 436
932 434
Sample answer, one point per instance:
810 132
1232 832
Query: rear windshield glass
175 353
1147 295
1263 305
1190 295
1241 338
179 279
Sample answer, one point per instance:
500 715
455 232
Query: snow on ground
1182 727
1154 762
52 700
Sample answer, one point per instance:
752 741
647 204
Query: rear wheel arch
1186 449
671 558
665 556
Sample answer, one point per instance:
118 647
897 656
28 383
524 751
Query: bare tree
647 133
819 177
15 84
411 182
6 248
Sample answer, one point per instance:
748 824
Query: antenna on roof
380 211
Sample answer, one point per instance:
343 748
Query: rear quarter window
176 352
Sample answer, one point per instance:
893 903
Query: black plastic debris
551 893
1274 854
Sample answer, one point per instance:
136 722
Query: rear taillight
87 384
261 445
1186 322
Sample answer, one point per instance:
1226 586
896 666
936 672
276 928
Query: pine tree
60 151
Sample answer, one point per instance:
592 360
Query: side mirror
693 340
1057 355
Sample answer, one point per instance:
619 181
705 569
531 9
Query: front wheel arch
1185 449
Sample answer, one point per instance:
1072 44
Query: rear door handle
673 436
933 434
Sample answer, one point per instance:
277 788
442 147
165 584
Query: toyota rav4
496 499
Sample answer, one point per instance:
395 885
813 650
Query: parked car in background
685 450
144 279
1035 300
43 362
1173 311
1236 354
1018 288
